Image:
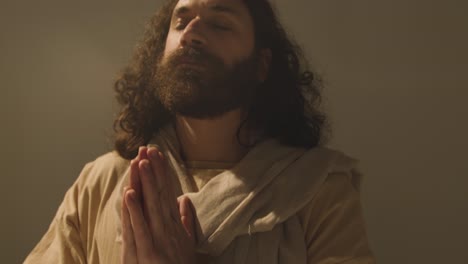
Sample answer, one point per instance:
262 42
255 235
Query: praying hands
157 227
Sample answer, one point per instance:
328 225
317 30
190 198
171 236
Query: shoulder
337 188
104 170
110 161
340 187
342 176
341 169
333 221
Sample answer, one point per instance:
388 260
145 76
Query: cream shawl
248 214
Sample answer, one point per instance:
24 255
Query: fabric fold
247 214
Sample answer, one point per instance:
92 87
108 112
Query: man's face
209 65
224 28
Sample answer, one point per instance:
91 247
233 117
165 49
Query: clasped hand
157 227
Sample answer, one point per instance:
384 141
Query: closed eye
214 24
220 27
219 24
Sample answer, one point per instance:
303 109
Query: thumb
187 216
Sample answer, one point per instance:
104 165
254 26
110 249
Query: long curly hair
287 106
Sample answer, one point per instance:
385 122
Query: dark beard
206 92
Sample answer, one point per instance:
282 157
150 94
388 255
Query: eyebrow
224 9
180 11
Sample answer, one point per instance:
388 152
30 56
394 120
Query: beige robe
277 205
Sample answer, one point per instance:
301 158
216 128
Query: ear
264 64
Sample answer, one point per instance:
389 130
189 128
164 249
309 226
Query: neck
211 139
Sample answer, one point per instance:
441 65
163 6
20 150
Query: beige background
396 90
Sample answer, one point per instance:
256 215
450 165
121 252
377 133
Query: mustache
194 55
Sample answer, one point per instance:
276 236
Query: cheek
239 51
171 44
238 47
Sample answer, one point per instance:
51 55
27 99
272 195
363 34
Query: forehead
235 8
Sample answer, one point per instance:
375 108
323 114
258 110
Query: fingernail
152 146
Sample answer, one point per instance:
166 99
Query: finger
171 188
187 217
135 182
152 202
129 255
142 153
164 183
157 166
141 233
162 177
167 199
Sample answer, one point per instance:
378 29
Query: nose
193 35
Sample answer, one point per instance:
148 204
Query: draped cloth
247 214
279 204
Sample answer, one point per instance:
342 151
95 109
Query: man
221 124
